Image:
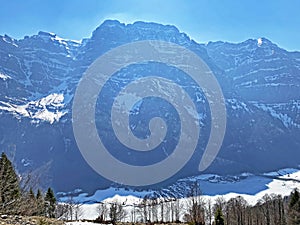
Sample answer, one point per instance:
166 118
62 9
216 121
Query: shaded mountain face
39 76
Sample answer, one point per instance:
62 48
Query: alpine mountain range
39 75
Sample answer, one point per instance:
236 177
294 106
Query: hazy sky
202 20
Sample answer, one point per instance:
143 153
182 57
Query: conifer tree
9 185
294 208
31 194
40 203
50 203
219 218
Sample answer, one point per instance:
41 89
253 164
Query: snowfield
48 109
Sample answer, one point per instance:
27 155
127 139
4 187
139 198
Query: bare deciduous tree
209 211
102 211
116 212
195 206
70 210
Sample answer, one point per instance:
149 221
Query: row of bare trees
69 210
195 209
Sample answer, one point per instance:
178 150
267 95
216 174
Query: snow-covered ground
251 187
283 186
49 108
4 77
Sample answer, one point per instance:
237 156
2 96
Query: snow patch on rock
286 120
4 77
49 109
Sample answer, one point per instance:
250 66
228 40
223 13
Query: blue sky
202 20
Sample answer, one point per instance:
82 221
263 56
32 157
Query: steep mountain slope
39 75
266 78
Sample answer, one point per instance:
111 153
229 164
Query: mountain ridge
39 75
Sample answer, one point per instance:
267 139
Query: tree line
18 198
196 210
